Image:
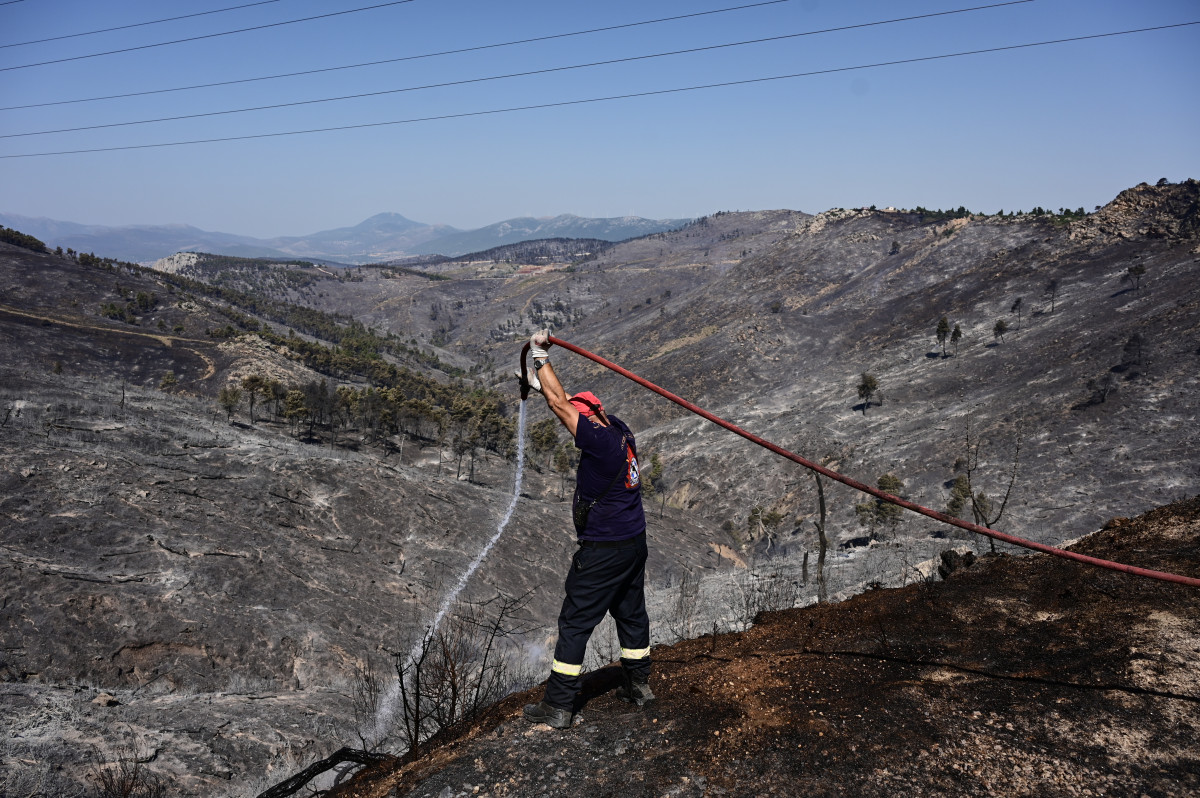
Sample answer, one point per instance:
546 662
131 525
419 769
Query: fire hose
855 484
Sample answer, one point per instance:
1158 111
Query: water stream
448 601
387 704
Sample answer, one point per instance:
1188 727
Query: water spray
387 704
448 601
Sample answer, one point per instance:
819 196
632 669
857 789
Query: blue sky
1064 125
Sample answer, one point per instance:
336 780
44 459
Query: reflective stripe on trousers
566 669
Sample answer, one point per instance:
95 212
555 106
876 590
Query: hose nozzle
524 375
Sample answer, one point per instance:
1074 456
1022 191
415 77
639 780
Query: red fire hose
853 483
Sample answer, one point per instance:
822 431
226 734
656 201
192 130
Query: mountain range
381 238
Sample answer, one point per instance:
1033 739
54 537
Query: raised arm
556 399
552 389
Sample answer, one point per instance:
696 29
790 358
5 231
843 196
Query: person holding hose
608 571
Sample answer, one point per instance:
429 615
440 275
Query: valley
223 577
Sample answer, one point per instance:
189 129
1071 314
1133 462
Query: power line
567 103
405 58
206 36
134 25
11 2
528 73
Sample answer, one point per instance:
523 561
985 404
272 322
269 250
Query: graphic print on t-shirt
633 476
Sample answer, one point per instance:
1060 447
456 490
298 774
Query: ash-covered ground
1015 676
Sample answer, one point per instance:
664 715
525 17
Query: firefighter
608 570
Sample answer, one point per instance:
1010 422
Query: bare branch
295 783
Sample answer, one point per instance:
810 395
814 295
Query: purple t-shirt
618 515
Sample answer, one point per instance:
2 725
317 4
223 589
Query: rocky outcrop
179 263
1166 210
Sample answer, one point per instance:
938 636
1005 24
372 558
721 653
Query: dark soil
1016 676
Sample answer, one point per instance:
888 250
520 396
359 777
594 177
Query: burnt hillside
1015 676
209 571
224 578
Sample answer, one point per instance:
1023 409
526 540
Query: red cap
586 403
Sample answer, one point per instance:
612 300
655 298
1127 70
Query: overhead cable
485 79
567 103
206 36
467 81
400 59
136 24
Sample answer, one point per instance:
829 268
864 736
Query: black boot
541 712
635 690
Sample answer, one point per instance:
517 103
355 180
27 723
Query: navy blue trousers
602 580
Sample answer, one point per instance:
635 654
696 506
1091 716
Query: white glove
539 342
532 378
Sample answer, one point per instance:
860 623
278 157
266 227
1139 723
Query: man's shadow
597 683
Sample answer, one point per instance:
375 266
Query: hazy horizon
474 112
